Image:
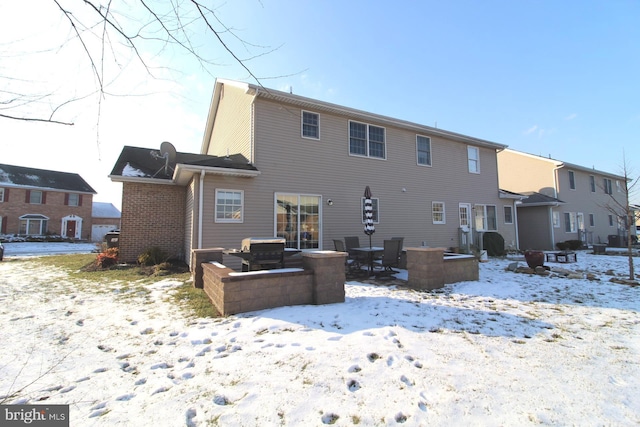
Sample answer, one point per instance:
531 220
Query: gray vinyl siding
535 228
291 164
232 130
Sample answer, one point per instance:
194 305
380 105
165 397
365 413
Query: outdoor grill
261 253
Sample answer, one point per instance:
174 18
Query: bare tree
625 211
109 34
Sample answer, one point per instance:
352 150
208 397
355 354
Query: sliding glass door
297 219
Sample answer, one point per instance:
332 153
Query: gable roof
321 106
137 164
20 176
104 210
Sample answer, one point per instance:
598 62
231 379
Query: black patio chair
390 256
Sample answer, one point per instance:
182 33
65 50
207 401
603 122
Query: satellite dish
167 149
168 153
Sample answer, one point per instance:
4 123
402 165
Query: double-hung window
592 220
437 213
592 183
367 140
473 157
508 214
570 222
229 206
1 195
73 199
35 197
572 180
607 186
310 125
423 150
486 218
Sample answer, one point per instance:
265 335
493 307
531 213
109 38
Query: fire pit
262 253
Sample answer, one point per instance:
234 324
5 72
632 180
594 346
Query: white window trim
469 159
592 216
302 125
215 207
367 155
444 212
1 195
31 193
430 152
504 213
485 217
77 199
555 219
572 174
573 222
592 183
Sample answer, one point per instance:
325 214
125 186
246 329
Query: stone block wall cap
207 250
423 249
324 254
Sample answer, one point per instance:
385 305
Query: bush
107 258
493 243
569 245
152 256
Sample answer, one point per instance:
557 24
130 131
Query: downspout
253 120
515 218
200 208
555 194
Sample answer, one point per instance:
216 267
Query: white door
466 236
581 228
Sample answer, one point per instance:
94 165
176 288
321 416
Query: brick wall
152 215
54 208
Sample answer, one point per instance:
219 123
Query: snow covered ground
509 349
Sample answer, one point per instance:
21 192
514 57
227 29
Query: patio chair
358 258
390 256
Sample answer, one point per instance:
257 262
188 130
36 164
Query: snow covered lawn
509 349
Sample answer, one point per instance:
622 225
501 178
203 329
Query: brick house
298 169
39 202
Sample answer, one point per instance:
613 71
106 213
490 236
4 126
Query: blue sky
552 78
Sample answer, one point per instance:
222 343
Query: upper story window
592 220
607 186
73 199
310 125
592 183
375 203
1 195
423 150
366 140
556 219
473 156
572 180
35 197
437 213
229 206
618 186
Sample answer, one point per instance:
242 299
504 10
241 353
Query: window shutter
3 229
44 197
6 194
66 199
27 198
80 200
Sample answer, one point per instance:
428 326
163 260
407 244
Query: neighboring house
565 201
298 169
105 218
38 202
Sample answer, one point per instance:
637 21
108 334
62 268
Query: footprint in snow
407 381
373 357
140 381
67 389
160 390
80 322
162 365
98 413
146 331
354 368
330 418
105 348
100 370
125 397
100 405
173 334
187 375
79 380
190 415
401 418
221 400
353 385
391 360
